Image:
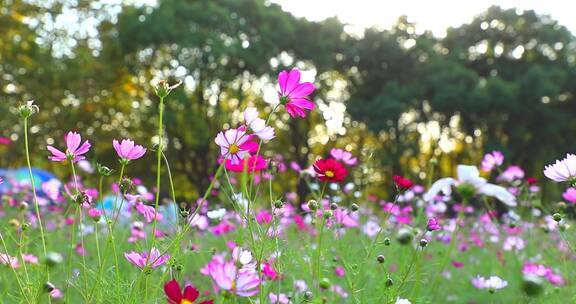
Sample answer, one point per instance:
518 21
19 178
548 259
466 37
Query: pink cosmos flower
141 259
511 174
543 271
148 212
258 125
234 144
492 283
344 156
30 258
127 150
293 94
279 298
563 170
56 294
9 260
74 151
570 195
227 276
492 160
513 243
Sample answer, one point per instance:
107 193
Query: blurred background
398 84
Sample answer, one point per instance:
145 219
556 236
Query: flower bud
103 170
423 243
48 287
325 283
126 185
557 217
313 205
184 213
308 296
404 236
23 205
328 214
162 88
354 207
381 259
278 204
333 206
25 226
386 242
389 282
28 109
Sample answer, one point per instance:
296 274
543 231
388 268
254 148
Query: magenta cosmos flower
563 170
74 151
235 144
293 94
127 150
141 259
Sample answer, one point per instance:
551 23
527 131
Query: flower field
104 235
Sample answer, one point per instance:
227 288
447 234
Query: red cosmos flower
531 180
175 295
402 183
330 170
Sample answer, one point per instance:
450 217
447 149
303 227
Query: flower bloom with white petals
235 144
563 170
492 160
127 150
470 176
258 125
492 283
74 151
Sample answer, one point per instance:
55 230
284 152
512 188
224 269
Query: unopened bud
313 205
557 217
389 282
333 206
325 283
328 214
381 259
48 287
423 243
278 204
354 207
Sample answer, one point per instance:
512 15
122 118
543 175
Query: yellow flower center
329 174
233 149
184 301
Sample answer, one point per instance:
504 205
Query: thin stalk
35 199
24 294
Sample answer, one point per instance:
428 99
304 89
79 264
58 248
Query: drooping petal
442 185
173 292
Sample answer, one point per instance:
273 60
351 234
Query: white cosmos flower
216 214
258 125
471 176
